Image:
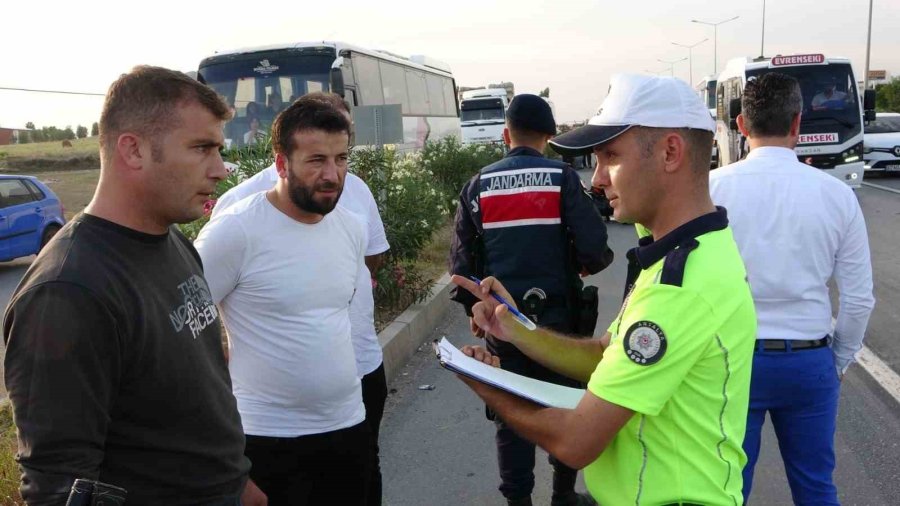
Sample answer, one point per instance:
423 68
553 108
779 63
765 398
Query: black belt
792 344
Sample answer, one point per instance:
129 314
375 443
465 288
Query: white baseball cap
638 100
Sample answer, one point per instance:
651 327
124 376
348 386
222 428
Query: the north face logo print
198 311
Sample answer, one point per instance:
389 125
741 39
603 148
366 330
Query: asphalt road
438 449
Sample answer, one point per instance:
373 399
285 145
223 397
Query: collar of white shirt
772 152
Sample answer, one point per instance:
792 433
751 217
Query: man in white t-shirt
284 267
357 198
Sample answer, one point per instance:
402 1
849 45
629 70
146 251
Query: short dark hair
330 98
770 103
146 101
306 113
524 135
699 142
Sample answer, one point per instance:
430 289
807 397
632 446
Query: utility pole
762 44
868 48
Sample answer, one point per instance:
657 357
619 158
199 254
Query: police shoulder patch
644 343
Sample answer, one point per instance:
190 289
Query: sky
571 46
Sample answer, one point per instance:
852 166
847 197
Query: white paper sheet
541 392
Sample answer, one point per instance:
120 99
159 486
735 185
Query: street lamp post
762 43
715 39
671 65
868 48
691 57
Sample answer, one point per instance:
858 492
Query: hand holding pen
495 313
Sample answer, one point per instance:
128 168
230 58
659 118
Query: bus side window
435 95
418 93
393 80
449 98
368 80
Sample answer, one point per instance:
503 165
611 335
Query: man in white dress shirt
796 227
357 198
284 267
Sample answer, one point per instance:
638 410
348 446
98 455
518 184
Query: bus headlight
852 154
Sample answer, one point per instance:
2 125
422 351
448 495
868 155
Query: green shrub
452 164
412 206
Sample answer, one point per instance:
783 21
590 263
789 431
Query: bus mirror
337 80
870 115
734 108
869 100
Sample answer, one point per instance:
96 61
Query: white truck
831 124
483 116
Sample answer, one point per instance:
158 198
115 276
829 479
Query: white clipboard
540 392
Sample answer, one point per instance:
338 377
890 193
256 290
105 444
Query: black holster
94 493
588 303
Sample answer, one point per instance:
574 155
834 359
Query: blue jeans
799 389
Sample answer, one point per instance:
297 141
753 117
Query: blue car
30 215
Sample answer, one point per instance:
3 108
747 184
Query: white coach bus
260 82
831 125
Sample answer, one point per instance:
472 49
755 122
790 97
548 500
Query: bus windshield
829 92
258 86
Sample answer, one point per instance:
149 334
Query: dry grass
433 257
50 156
86 146
73 187
9 470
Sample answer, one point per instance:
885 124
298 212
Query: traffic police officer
663 417
528 220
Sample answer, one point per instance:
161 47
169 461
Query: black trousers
328 468
515 455
374 392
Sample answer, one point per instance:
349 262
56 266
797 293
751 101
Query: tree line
52 133
887 96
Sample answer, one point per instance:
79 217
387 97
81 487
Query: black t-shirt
115 370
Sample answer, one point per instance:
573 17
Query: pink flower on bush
400 275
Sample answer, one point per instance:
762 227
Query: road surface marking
881 187
880 372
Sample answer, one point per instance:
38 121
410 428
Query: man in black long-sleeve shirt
114 363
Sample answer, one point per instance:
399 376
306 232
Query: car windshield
884 125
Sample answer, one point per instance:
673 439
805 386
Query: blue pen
528 324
